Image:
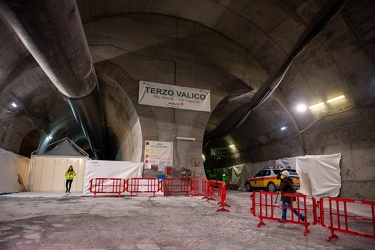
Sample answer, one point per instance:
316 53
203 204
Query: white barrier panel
319 174
10 165
111 169
47 173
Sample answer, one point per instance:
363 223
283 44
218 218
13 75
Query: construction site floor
74 221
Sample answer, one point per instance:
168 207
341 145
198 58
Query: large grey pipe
52 31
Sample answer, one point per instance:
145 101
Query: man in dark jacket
286 186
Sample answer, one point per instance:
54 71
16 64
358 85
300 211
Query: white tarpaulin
236 173
319 174
12 165
286 163
111 169
170 96
65 148
247 172
47 173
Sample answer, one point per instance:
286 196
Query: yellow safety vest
70 175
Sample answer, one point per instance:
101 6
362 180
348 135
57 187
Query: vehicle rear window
292 171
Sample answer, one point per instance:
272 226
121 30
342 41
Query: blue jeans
285 206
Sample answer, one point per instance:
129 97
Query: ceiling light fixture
185 138
283 128
301 107
316 105
14 104
336 99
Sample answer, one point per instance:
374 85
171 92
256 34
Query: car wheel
248 187
271 187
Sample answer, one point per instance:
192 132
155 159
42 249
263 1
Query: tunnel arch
121 118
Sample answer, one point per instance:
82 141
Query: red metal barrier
264 204
335 216
200 186
107 186
176 186
144 185
218 190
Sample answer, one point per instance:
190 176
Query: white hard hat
285 173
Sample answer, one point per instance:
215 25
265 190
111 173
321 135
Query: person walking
69 178
286 186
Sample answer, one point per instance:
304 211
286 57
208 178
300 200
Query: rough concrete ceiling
340 61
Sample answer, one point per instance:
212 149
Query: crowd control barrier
144 185
331 212
176 186
210 190
218 190
107 186
335 216
264 206
200 186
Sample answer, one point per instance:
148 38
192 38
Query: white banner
111 169
170 96
158 153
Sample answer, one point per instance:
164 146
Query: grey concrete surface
60 221
229 47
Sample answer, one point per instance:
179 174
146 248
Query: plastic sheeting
44 173
319 174
10 166
235 174
111 169
64 149
47 173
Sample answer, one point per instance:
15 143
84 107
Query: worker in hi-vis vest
69 178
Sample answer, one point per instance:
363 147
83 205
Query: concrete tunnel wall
172 51
167 60
176 61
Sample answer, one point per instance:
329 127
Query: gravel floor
60 221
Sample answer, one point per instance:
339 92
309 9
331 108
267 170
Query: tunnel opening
111 145
29 143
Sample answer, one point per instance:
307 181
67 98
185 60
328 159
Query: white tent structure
47 171
65 147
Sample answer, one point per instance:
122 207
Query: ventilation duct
53 33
